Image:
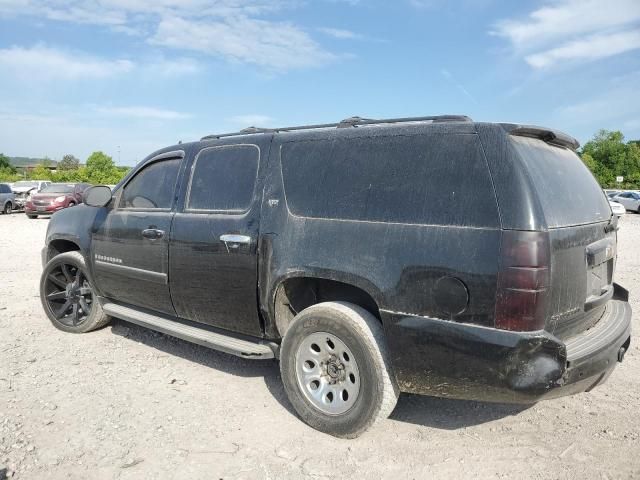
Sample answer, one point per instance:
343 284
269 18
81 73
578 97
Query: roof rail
351 122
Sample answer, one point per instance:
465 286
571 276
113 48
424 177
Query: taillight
523 281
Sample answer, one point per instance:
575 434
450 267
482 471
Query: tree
69 162
101 169
608 157
5 163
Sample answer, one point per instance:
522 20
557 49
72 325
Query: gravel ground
126 403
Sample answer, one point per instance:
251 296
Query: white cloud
340 33
276 46
142 112
229 29
251 120
573 30
44 62
589 48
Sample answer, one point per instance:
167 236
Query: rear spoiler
548 135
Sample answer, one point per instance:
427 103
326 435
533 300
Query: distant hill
30 162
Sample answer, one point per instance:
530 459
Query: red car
55 197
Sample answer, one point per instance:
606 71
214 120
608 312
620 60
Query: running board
206 338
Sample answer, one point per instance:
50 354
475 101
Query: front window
153 187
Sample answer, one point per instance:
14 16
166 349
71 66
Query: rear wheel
336 370
67 295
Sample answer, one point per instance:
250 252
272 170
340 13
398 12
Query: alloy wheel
68 294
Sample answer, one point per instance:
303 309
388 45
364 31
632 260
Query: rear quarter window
566 189
420 179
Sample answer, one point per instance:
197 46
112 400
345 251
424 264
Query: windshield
568 192
58 188
23 183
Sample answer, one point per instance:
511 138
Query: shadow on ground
441 413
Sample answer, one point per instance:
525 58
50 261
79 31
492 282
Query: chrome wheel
327 373
68 294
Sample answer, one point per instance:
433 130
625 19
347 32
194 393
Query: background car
630 200
617 208
7 198
24 188
55 197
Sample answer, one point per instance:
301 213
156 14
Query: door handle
152 233
234 241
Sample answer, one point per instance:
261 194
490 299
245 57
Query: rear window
421 179
567 191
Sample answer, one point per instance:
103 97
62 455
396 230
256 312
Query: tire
8 208
31 217
66 293
365 373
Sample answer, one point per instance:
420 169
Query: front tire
67 295
32 217
336 369
8 208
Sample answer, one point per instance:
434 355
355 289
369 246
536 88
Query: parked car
617 208
435 256
630 200
24 188
54 198
7 198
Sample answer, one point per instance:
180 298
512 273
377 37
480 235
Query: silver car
630 200
7 198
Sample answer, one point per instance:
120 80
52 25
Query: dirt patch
125 403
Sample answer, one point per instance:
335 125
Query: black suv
432 255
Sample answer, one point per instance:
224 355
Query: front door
130 245
213 249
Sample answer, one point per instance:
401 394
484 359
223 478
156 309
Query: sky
130 76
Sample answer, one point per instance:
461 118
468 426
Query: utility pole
118 155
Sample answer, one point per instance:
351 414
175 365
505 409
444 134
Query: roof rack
351 122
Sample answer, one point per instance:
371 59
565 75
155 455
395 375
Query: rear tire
336 369
67 295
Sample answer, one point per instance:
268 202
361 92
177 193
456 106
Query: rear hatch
582 235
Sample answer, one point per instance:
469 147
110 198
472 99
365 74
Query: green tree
40 172
608 157
69 162
5 163
101 169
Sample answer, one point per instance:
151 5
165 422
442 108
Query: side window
3 188
224 178
419 179
152 187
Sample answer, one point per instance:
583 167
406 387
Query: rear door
130 246
581 233
214 242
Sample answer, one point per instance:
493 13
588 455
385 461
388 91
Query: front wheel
8 208
67 295
31 217
336 370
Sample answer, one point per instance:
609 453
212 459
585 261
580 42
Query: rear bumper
447 359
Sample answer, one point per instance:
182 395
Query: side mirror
98 196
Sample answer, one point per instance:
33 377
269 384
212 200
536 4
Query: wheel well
56 247
296 294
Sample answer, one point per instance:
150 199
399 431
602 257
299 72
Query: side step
206 338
